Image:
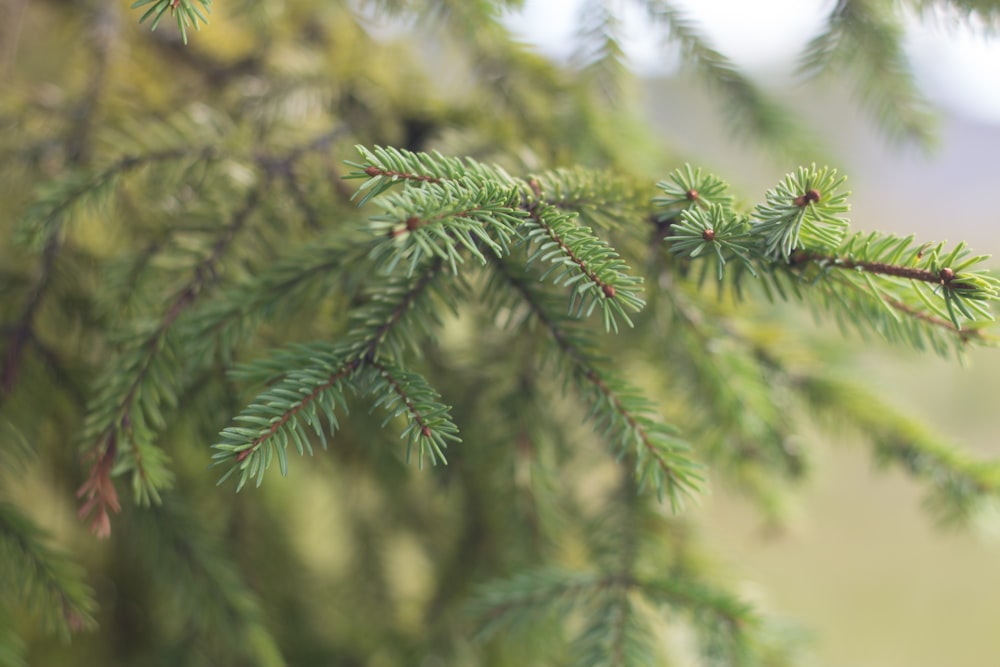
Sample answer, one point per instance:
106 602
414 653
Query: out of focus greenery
150 178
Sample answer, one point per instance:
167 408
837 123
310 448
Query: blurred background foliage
356 559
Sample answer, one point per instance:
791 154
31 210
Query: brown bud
947 275
810 197
708 235
609 291
692 194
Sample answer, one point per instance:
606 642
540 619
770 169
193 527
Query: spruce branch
584 262
687 188
735 389
308 384
449 205
723 623
723 235
748 109
127 408
982 16
958 485
59 202
443 220
186 12
305 274
616 633
13 649
22 332
283 413
603 199
797 243
404 393
930 285
866 39
517 603
210 597
623 415
803 211
47 580
382 168
598 51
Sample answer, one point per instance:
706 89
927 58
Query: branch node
810 197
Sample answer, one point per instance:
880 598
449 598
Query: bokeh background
867 576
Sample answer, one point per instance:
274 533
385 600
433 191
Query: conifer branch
187 557
126 409
805 211
58 202
599 52
958 484
308 272
47 580
724 624
577 256
616 634
186 12
522 600
866 39
730 382
441 220
603 199
797 242
22 332
430 426
688 188
748 109
382 168
623 414
300 399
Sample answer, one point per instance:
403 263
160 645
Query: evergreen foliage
304 238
